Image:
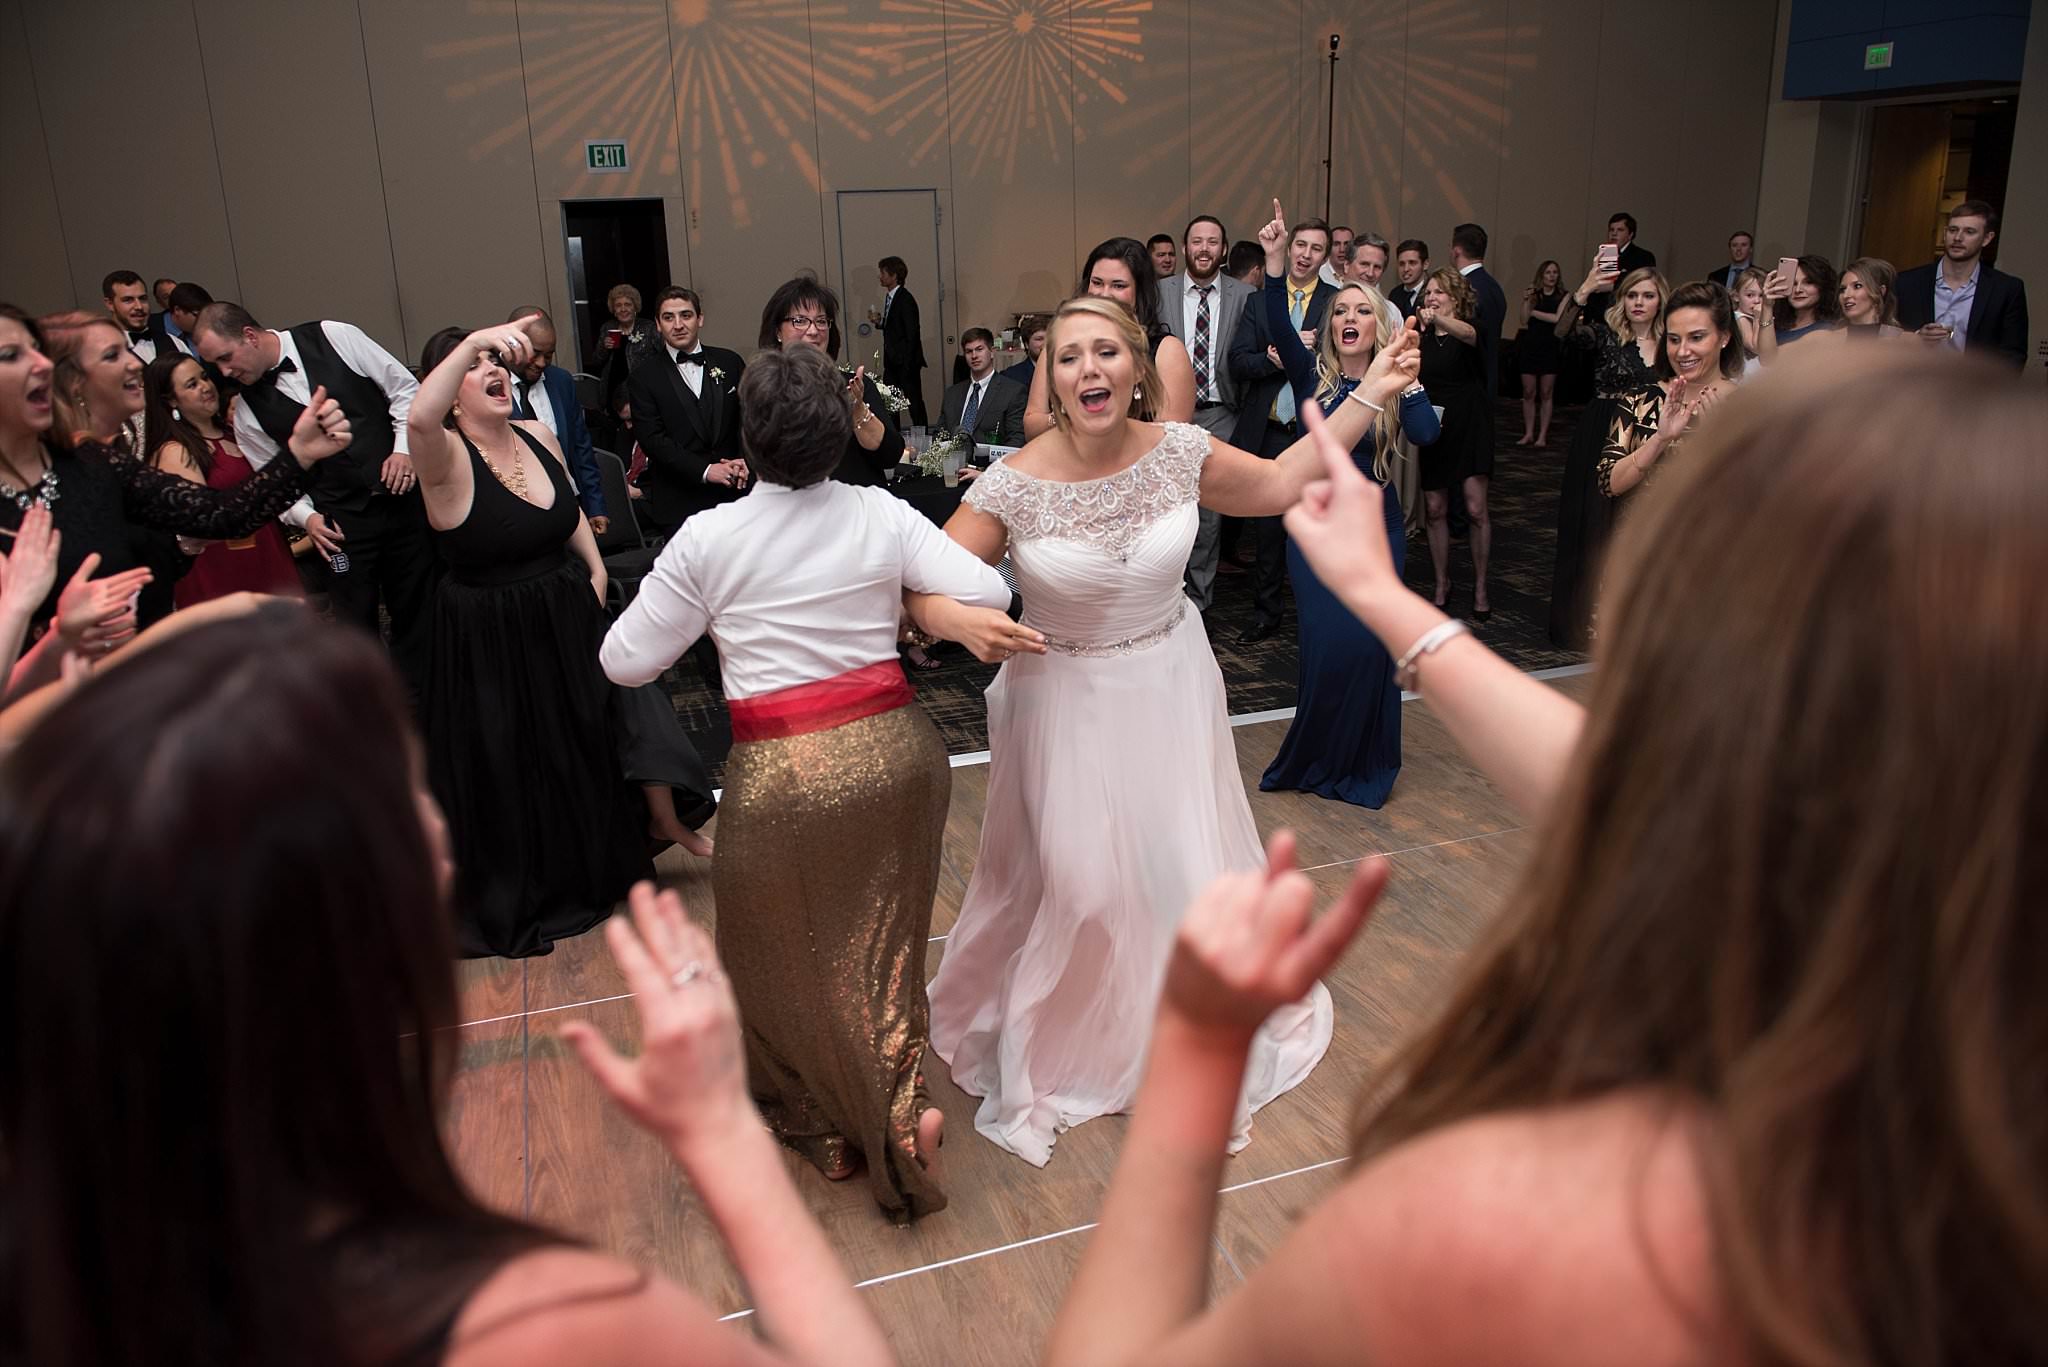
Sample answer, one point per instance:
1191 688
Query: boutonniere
717 374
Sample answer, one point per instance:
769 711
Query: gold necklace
516 481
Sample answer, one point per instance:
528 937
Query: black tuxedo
1258 379
1725 274
682 433
1405 298
1998 315
1631 258
903 352
1493 314
1000 419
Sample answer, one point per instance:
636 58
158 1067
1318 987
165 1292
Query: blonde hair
1330 370
1145 404
64 337
1617 312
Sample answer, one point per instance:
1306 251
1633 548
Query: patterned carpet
1261 677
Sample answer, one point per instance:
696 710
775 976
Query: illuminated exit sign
611 156
1877 57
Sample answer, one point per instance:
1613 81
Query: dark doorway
1924 159
612 242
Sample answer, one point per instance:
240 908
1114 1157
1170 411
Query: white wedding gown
1114 797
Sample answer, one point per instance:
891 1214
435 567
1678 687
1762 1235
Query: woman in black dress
533 754
1454 373
1628 344
1539 354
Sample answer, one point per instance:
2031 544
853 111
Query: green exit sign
604 156
1877 57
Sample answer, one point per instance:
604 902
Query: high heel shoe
1482 615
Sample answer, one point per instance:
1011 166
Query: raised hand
96 615
28 571
1273 237
1676 412
689 1082
508 340
1599 280
1340 522
321 431
1396 365
1247 947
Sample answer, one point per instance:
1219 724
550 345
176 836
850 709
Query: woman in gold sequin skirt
837 786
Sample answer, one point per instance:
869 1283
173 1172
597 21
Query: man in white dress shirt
1203 306
365 514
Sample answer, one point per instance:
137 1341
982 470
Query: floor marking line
1413 849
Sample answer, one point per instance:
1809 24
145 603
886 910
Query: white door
878 223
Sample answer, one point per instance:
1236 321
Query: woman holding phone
1806 301
1627 343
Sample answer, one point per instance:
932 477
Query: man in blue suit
542 391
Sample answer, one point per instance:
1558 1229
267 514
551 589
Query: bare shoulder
541 433
559 1305
1576 1234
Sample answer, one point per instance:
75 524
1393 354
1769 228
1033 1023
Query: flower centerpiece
945 443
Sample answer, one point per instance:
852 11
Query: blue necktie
973 409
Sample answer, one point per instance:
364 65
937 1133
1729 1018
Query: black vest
345 481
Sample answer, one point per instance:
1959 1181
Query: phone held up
1609 257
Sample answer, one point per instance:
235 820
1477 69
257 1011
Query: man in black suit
1962 301
1468 255
1411 263
1267 422
686 416
1621 231
1026 370
1741 244
127 303
903 360
985 404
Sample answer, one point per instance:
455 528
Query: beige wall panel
600 73
1245 109
1010 220
1454 119
1633 167
447 90
1545 146
136 184
35 273
299 162
1724 67
1131 120
748 153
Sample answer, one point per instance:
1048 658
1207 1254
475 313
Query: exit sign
611 156
1877 57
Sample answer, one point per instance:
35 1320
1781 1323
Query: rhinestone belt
1144 640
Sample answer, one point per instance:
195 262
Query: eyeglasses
808 324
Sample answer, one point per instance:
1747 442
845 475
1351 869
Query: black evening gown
1454 373
531 751
1583 514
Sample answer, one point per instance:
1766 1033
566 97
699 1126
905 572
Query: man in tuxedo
1203 307
1740 245
1164 260
1960 300
127 303
1632 256
364 514
1468 255
1411 264
903 360
985 405
543 392
161 292
686 415
1026 370
1267 420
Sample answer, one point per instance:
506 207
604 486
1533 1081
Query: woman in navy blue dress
1345 742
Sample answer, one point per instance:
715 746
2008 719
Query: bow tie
691 357
139 335
285 367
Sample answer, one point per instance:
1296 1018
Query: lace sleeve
167 503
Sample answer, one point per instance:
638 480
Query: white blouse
795 585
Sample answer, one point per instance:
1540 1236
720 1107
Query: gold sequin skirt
827 863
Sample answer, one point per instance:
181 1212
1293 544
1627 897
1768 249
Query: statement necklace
515 481
43 491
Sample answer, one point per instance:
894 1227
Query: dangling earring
176 416
1137 392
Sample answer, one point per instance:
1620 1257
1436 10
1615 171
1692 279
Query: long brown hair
1795 874
224 1048
163 423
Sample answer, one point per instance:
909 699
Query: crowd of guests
1817 1139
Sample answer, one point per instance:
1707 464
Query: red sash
864 692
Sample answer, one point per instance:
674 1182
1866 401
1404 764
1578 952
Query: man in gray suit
1203 306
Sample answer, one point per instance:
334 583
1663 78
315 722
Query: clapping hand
1273 237
96 615
1340 523
1248 947
28 571
689 1082
1677 411
321 431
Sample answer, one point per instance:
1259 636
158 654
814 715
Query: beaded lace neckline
1110 512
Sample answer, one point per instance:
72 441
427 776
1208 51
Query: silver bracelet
1428 643
1358 396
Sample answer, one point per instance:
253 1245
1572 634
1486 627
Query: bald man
544 392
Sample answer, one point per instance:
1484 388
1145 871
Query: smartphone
1609 257
1787 265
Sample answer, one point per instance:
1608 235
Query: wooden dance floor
979 1282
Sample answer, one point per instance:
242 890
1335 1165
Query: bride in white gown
1114 794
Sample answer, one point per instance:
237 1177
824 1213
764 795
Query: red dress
254 564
